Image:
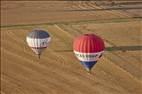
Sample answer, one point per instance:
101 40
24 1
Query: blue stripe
40 34
88 65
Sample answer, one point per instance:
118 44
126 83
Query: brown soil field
35 12
119 71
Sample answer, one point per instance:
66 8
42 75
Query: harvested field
118 72
58 71
29 12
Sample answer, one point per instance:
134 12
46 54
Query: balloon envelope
88 48
38 40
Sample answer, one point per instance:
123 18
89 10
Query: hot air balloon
88 48
38 40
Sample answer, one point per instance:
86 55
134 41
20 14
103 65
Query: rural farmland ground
58 71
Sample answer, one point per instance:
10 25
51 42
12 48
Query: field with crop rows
58 71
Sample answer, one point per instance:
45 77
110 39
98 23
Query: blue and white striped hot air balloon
38 40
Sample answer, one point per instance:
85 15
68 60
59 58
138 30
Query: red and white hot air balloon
88 48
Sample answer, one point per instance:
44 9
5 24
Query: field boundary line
78 22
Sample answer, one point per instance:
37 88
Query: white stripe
33 42
88 56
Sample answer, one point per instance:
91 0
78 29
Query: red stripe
88 43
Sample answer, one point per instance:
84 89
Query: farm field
58 71
36 12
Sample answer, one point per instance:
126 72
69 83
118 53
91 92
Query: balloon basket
88 70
